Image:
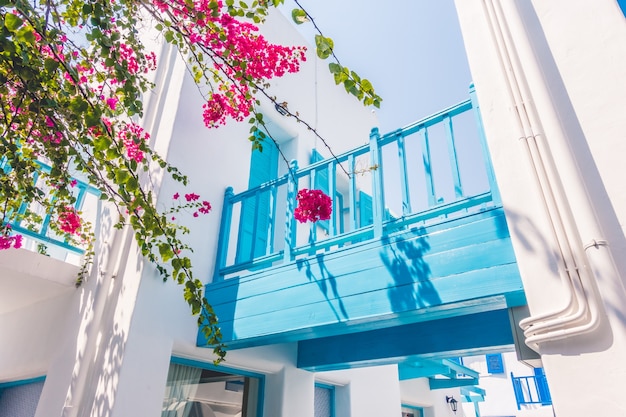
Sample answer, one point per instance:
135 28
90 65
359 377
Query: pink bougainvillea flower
313 205
6 240
191 197
69 221
112 102
206 207
175 196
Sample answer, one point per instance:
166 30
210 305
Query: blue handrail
41 232
417 176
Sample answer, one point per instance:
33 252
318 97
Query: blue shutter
494 363
366 212
254 221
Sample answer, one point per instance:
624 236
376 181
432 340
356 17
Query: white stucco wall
572 56
127 324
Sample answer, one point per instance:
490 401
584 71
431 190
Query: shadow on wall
404 259
101 338
327 284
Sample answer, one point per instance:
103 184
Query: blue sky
411 50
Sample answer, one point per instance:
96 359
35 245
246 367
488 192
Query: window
411 411
199 390
324 400
20 398
495 364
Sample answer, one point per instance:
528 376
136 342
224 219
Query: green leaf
324 46
166 252
12 22
51 65
299 16
334 68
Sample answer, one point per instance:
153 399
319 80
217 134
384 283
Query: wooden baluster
454 162
491 177
224 236
290 222
404 179
377 183
428 167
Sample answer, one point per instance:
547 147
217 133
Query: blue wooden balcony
38 236
418 238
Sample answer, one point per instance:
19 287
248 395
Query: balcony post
222 242
377 183
290 225
495 192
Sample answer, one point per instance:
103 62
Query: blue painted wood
366 209
454 160
224 236
378 193
429 367
446 269
491 176
388 224
352 194
254 224
404 183
41 233
495 365
436 338
290 222
272 220
440 383
428 168
313 226
332 192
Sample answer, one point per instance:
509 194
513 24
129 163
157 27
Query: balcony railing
38 235
429 171
531 390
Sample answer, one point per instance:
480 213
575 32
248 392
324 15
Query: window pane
323 402
196 392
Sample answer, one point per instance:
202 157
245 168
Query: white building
328 338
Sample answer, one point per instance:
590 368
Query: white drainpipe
579 262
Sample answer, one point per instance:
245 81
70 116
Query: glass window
197 392
409 411
324 400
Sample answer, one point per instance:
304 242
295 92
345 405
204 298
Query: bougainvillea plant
72 76
313 205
